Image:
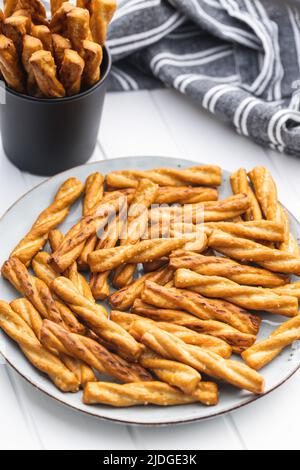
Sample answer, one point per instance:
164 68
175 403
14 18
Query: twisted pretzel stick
292 289
126 320
74 241
198 175
101 12
196 239
137 222
15 28
93 354
210 211
240 184
237 340
17 329
155 393
248 250
36 238
30 315
254 298
185 195
254 229
39 295
260 354
92 314
124 298
266 193
233 372
144 251
205 309
225 267
34 8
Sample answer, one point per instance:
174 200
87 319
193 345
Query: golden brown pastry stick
30 45
10 66
237 340
60 44
137 221
254 230
292 289
55 5
185 195
17 329
58 23
102 12
30 315
198 175
247 250
93 193
260 354
126 320
74 241
266 193
225 267
155 393
70 72
171 347
34 8
211 211
196 239
93 354
78 26
146 250
240 184
253 298
203 308
43 33
44 70
36 238
124 298
91 314
15 27
92 54
38 293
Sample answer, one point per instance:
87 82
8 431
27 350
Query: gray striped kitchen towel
238 59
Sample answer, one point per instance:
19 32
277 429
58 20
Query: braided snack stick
254 298
237 340
260 354
233 372
255 230
203 308
185 195
144 251
92 353
198 175
248 250
124 298
225 267
74 241
36 238
93 316
30 315
266 193
17 329
292 289
10 66
240 184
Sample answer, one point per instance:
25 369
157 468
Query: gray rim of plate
175 163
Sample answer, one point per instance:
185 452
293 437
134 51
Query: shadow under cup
47 136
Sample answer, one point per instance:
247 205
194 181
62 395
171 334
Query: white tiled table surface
166 124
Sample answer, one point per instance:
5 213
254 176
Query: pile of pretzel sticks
57 57
185 274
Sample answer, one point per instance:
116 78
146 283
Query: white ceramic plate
17 221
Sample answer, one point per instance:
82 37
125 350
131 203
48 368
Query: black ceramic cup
47 136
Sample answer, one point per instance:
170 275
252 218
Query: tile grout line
19 392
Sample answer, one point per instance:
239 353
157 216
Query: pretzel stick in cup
237 340
137 221
55 5
78 26
36 238
32 8
30 45
10 66
93 55
198 175
240 184
101 12
15 28
90 312
146 250
60 44
170 347
203 308
93 354
71 71
260 354
44 70
266 193
247 250
58 23
225 267
17 329
43 33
